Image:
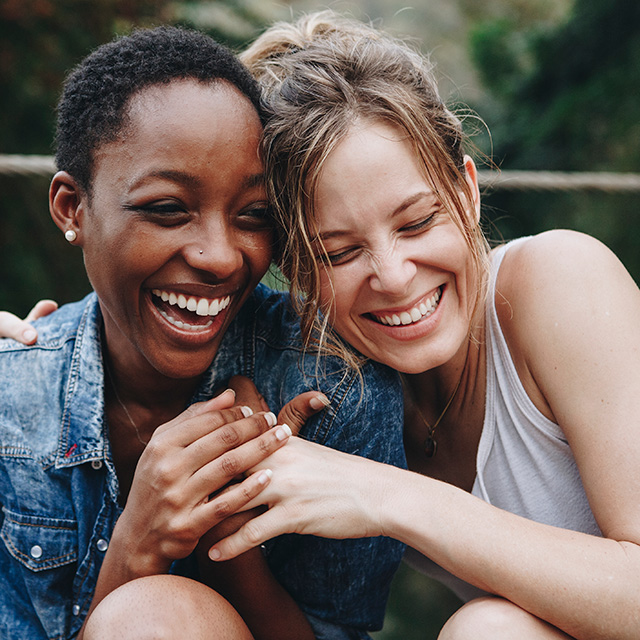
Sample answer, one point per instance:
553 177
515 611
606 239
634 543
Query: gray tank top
524 463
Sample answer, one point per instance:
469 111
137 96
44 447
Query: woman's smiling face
176 234
401 272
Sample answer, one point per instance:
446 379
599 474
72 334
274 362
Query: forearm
587 586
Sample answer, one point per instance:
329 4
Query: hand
295 413
318 491
12 327
173 500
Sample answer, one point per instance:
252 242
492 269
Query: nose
216 250
392 272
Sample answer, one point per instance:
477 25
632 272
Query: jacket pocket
45 552
40 543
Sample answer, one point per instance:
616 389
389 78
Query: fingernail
318 402
29 335
271 419
283 432
214 554
229 391
246 411
265 476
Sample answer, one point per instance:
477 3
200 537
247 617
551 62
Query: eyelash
339 258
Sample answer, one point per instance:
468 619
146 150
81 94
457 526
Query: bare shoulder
547 275
559 295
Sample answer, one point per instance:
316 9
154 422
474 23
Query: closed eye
420 225
165 212
343 256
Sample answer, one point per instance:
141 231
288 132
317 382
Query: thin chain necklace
124 408
430 443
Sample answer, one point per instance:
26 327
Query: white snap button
75 610
102 544
96 464
36 551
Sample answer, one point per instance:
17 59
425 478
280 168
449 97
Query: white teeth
184 325
412 315
201 306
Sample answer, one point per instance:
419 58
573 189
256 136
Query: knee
487 618
163 608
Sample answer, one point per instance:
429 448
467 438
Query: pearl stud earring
70 235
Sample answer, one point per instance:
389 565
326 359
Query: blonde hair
319 76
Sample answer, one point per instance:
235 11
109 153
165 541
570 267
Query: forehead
186 126
369 169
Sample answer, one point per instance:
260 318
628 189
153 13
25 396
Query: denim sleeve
344 584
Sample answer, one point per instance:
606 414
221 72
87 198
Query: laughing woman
520 364
107 483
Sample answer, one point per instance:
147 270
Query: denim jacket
59 491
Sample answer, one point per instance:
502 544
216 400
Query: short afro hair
93 106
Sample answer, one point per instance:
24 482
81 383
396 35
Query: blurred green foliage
559 91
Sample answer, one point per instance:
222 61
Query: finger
297 411
237 497
251 534
215 443
12 327
247 393
41 309
216 474
204 417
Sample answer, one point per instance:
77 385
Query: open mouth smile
188 312
412 315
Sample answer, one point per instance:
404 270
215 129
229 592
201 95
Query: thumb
297 411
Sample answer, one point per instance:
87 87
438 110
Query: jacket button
75 610
102 544
96 464
36 551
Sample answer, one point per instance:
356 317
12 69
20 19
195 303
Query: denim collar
83 429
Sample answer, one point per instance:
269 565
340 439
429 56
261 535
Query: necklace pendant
430 446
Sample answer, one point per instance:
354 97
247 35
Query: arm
573 330
171 503
246 581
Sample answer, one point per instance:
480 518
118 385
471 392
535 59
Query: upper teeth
410 316
201 306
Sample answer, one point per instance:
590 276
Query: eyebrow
403 206
182 177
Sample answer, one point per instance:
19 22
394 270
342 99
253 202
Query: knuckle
252 533
229 465
229 435
222 509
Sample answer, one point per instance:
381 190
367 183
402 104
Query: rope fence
493 180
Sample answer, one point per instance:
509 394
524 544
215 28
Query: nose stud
201 252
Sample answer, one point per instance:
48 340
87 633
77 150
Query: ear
67 205
471 176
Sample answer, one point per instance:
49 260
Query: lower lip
192 337
413 331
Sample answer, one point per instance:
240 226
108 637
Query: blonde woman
520 364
